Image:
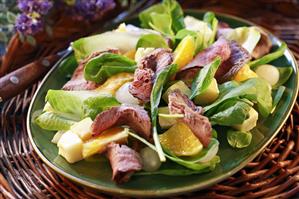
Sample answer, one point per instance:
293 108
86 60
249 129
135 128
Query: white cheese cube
82 128
70 147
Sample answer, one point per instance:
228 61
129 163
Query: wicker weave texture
273 174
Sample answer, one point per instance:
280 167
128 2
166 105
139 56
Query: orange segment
180 140
184 52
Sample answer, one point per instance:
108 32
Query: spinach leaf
207 166
166 17
277 96
284 75
53 121
231 112
151 41
161 79
256 90
106 65
94 105
239 139
269 57
204 78
212 22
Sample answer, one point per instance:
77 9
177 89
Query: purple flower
39 6
92 8
28 25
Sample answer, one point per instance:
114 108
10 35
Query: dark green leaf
151 41
204 78
106 65
269 57
239 139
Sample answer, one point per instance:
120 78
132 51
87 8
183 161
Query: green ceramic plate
96 173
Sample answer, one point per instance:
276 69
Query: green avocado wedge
95 172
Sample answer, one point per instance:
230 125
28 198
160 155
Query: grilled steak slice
220 48
134 116
199 124
263 46
124 162
238 57
78 82
144 76
142 85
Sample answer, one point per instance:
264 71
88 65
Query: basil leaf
269 57
106 65
151 41
161 79
239 139
204 78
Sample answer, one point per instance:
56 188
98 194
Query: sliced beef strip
263 46
142 85
239 57
144 76
134 116
78 82
220 49
124 162
199 124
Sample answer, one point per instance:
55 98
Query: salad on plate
145 96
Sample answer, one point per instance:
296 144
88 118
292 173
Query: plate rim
173 191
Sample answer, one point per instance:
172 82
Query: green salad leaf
53 121
151 41
277 95
231 112
166 17
204 78
94 105
123 41
239 139
256 90
102 67
161 79
212 22
194 166
80 104
269 57
284 75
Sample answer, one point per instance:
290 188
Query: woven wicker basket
273 174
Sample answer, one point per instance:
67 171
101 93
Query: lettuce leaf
106 65
165 17
53 121
239 139
247 37
151 41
